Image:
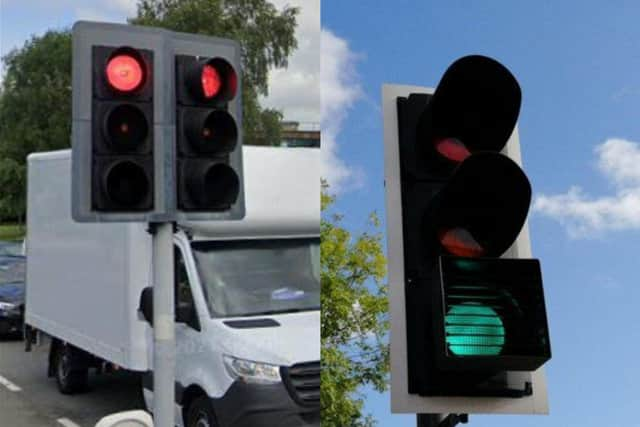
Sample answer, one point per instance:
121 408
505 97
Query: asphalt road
28 398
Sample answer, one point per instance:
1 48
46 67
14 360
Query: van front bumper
256 405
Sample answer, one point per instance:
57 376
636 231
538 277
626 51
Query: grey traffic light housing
156 100
430 394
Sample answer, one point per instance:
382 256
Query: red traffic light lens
458 241
452 148
125 72
211 81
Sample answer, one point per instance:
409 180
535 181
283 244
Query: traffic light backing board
401 400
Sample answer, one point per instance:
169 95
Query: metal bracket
439 420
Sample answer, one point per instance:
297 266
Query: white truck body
84 281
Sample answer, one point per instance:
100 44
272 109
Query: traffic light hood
483 206
476 105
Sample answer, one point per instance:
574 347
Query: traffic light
156 125
122 129
472 317
207 134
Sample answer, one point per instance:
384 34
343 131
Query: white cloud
113 10
295 90
584 215
340 90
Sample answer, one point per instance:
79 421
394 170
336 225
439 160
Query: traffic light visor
476 103
482 208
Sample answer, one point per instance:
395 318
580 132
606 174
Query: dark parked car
11 248
12 277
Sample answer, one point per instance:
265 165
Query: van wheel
200 413
69 378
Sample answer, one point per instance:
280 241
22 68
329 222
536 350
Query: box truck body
248 341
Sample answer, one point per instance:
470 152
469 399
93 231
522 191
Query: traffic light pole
441 420
164 343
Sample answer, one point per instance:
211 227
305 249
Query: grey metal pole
164 343
429 420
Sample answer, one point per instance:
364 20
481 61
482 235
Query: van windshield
259 277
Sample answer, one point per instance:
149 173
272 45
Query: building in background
300 134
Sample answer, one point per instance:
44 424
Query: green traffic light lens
222 185
213 185
126 184
473 329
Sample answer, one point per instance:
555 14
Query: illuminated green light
467 264
473 329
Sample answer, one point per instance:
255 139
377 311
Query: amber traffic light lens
126 127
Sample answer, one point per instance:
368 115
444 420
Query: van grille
303 382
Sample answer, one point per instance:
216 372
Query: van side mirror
186 313
146 304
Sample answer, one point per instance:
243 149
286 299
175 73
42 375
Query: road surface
28 398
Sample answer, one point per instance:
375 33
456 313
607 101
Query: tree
12 182
35 111
266 36
354 319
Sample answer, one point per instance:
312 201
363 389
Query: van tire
70 379
200 413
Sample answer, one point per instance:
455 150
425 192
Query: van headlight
8 307
252 372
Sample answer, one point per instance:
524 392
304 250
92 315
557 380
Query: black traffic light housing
471 316
122 129
206 134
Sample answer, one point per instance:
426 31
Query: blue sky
579 69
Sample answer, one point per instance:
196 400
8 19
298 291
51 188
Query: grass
12 232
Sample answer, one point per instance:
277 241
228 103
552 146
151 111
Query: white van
247 294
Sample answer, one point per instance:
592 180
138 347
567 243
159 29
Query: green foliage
9 232
35 111
12 183
266 36
354 319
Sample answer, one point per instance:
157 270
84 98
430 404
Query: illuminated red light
453 149
211 81
459 242
124 73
